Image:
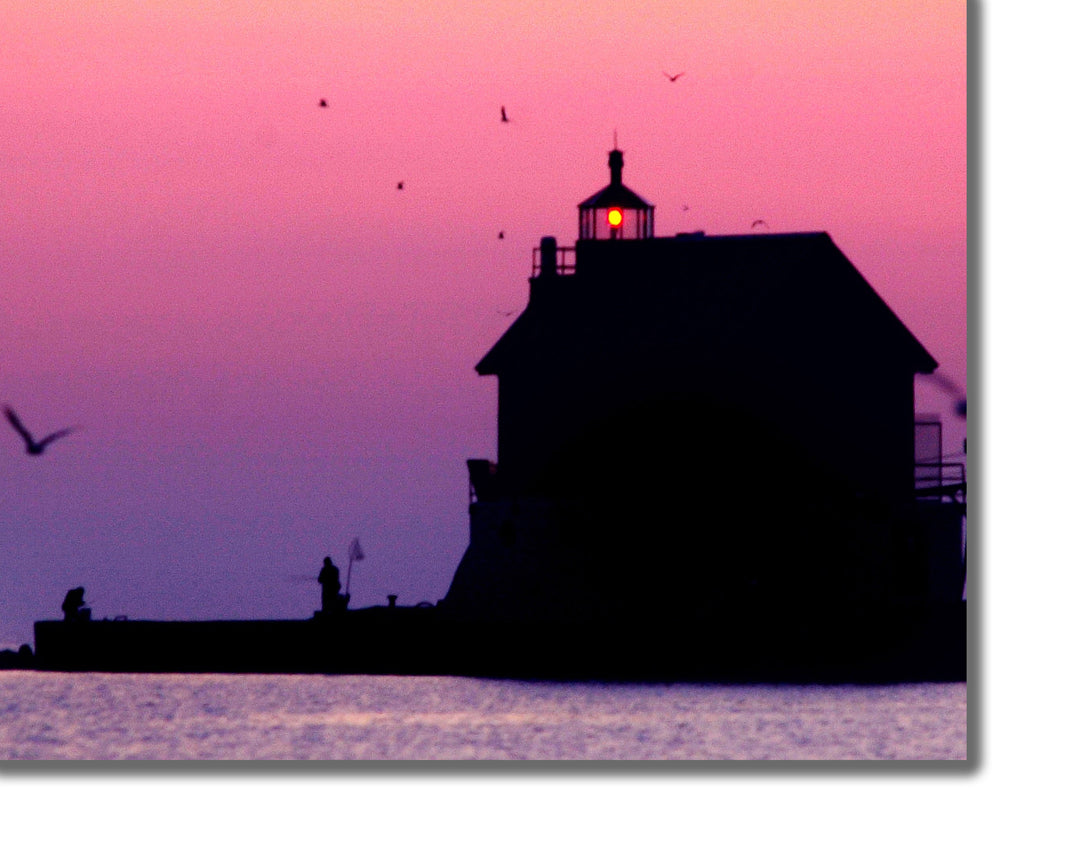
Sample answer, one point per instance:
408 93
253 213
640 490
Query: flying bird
400 186
759 222
675 77
502 235
33 446
505 120
323 104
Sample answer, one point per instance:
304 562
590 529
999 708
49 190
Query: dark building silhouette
709 468
697 424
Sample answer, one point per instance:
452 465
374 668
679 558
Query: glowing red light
615 217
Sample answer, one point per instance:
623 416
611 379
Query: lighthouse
694 424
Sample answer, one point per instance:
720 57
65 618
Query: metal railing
941 480
565 261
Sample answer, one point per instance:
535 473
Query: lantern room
615 212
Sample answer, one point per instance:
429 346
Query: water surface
98 716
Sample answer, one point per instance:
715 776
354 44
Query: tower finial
615 134
615 163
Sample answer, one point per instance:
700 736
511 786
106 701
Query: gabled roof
701 293
527 328
615 195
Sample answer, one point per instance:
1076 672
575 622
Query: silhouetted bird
506 313
675 77
759 222
33 446
400 186
505 120
502 235
323 104
685 208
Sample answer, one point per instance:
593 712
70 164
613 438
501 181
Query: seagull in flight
671 77
759 222
33 446
323 103
505 120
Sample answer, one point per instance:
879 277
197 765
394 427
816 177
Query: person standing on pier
330 579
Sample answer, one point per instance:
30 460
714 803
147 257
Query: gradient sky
269 349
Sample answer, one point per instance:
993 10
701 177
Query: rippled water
246 717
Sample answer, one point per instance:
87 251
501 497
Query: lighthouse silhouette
693 425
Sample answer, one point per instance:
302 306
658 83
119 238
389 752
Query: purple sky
269 349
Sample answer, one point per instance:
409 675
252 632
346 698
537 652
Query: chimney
548 257
546 271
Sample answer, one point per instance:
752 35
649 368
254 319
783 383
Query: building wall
941 525
675 429
522 564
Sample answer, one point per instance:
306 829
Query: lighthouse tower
616 211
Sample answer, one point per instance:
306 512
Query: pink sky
269 349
